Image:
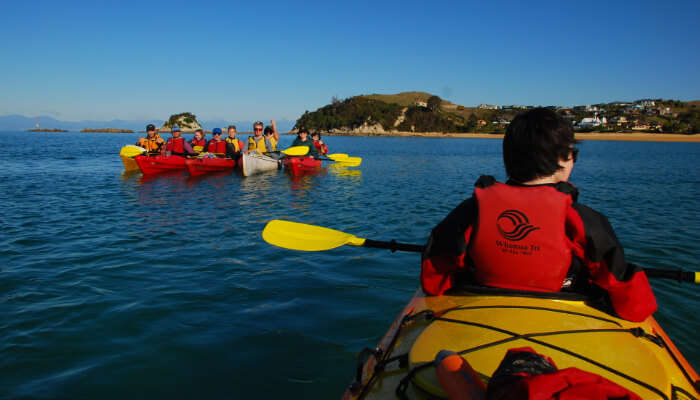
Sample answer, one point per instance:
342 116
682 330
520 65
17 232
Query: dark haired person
152 142
263 143
321 147
303 139
177 145
530 233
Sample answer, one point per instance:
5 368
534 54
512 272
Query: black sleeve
447 238
602 244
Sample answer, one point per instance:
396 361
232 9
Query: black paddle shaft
676 274
394 246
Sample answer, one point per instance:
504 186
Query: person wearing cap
198 142
177 145
152 142
303 139
234 146
263 144
216 145
318 143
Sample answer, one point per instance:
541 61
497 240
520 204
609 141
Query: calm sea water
116 286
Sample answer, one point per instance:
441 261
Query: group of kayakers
263 141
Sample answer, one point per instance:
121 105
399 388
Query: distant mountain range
21 123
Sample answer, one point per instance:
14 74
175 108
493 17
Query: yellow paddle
298 236
131 151
295 151
352 161
337 156
198 148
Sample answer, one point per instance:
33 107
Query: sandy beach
632 137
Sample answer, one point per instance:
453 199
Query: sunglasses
258 129
216 133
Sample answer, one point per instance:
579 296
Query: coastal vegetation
47 130
424 112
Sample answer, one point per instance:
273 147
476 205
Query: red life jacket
321 148
216 147
201 142
520 240
176 145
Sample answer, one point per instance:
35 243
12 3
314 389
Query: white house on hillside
590 122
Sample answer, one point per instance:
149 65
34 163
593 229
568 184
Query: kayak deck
637 356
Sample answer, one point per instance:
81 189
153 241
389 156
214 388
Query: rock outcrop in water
186 121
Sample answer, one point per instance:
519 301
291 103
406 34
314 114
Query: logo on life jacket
514 225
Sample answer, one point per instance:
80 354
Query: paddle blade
131 151
297 236
337 156
295 151
351 162
198 148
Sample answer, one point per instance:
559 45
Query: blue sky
261 60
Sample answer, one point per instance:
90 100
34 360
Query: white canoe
255 163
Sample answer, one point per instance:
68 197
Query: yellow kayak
127 154
482 324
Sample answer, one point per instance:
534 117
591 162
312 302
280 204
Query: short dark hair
231 127
534 143
268 130
304 130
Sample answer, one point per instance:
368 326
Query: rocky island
186 121
47 130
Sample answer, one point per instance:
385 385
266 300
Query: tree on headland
434 103
187 119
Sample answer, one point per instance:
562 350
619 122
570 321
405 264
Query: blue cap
175 128
216 131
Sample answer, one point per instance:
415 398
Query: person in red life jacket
234 146
530 233
198 142
524 374
321 147
177 145
216 145
152 142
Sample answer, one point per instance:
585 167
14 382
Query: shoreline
629 137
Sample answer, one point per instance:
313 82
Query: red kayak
301 165
201 166
159 163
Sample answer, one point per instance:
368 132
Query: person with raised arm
263 140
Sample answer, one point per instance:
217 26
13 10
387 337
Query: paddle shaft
675 274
